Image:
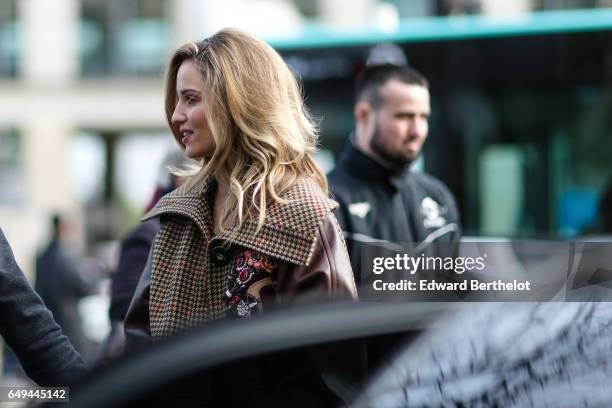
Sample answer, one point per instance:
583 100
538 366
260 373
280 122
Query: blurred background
521 99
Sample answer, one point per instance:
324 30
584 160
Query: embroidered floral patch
252 273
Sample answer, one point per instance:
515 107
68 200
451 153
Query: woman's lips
187 138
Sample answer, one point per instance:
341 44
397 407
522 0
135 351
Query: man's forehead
394 86
397 92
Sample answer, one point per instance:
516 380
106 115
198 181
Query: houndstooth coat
194 276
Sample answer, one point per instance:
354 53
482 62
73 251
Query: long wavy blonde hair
265 138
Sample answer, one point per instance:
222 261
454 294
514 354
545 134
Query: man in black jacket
386 210
27 326
383 204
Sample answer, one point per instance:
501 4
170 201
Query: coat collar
364 167
289 231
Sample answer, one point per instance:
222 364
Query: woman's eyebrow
188 90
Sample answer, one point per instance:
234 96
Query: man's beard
395 159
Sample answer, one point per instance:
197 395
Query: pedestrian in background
385 207
61 286
381 199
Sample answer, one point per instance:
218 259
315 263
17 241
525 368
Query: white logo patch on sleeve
359 209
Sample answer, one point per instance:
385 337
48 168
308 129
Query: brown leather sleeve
328 275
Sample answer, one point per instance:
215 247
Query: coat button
219 254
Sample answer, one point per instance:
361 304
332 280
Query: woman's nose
178 116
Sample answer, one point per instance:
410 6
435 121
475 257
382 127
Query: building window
11 169
9 38
566 4
124 37
86 167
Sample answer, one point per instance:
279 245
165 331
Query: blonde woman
253 226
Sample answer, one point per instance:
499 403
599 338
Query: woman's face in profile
189 114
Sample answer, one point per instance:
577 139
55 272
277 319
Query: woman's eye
191 99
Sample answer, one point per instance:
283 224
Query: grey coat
27 326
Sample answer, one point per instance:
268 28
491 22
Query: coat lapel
289 231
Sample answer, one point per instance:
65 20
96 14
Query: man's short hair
372 78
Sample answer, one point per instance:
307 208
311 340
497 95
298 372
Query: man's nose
416 127
413 127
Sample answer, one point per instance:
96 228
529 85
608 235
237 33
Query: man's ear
362 111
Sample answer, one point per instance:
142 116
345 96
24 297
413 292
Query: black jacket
133 256
132 260
378 206
28 328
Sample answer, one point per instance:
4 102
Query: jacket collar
289 231
364 167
